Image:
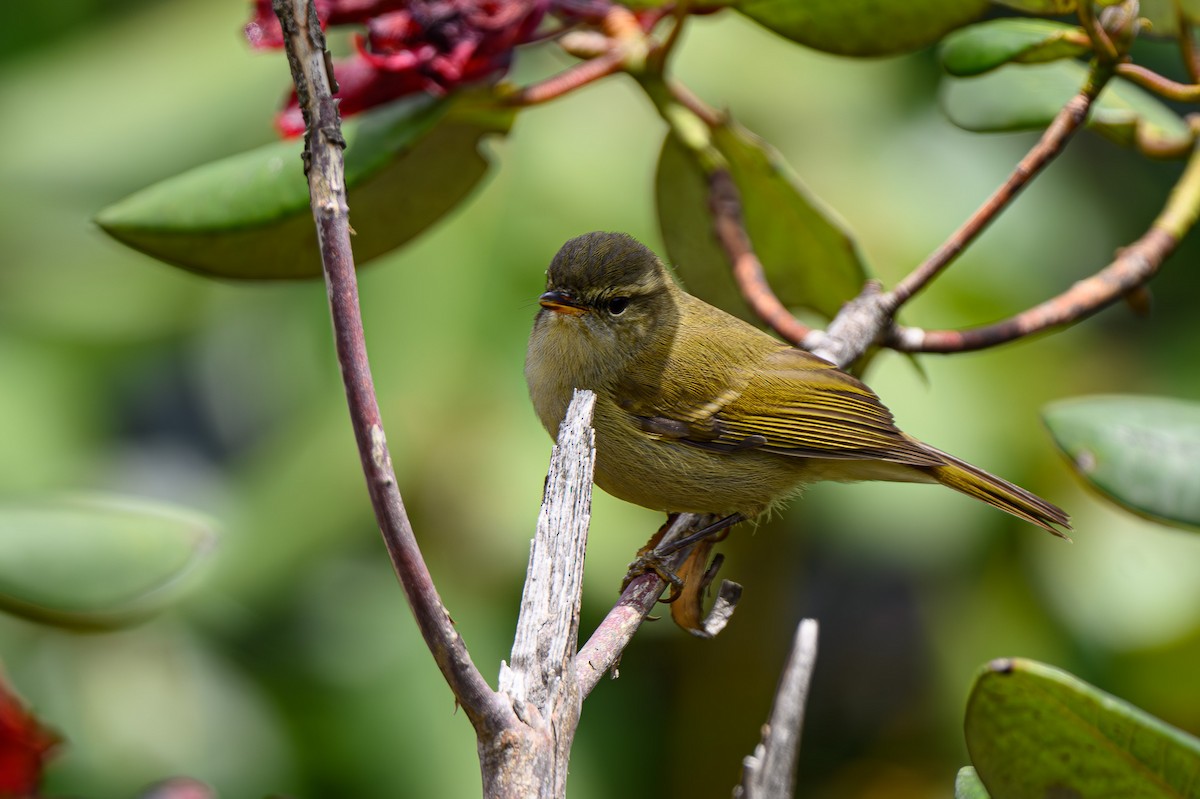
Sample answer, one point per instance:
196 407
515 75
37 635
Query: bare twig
305 46
770 773
1102 43
1065 124
603 650
726 205
1133 267
1163 87
570 79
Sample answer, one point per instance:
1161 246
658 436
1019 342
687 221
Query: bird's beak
561 302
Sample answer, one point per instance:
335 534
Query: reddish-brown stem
1135 265
1131 269
726 205
1101 41
1055 137
569 79
1163 87
691 102
305 44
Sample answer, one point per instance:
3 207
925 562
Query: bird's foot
649 561
653 558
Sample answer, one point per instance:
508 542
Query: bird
698 411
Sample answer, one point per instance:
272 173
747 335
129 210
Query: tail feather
999 493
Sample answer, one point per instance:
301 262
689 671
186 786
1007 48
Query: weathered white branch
540 679
770 773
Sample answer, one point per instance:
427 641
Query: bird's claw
648 561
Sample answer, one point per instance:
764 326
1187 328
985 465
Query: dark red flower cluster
24 746
410 46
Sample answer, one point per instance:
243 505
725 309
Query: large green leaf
976 49
248 216
809 256
863 27
97 562
1019 97
1035 731
1143 453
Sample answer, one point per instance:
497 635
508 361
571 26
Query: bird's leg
651 557
720 526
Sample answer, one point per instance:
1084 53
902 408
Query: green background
297 669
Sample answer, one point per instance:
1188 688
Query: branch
1065 124
1133 267
770 773
1162 86
305 45
570 79
541 681
603 650
726 205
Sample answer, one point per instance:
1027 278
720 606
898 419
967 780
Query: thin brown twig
726 205
1102 43
688 99
1162 86
1136 264
603 649
1065 124
570 79
1132 268
305 44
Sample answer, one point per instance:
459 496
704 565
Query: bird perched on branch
697 411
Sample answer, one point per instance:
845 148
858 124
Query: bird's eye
617 305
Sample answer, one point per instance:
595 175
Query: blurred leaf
1047 7
1033 730
809 257
1140 452
1164 15
863 27
968 786
979 48
681 194
92 563
248 216
1018 97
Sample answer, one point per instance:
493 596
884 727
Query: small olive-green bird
697 411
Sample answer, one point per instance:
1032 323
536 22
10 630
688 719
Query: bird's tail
975 482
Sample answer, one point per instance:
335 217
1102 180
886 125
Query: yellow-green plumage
698 411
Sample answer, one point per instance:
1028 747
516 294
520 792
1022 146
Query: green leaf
1033 730
1050 8
98 562
863 27
809 256
1140 452
681 194
979 48
968 786
248 216
1018 97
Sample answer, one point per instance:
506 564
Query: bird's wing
792 404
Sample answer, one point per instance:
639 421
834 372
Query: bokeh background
296 669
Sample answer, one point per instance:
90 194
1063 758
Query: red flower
411 46
24 746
